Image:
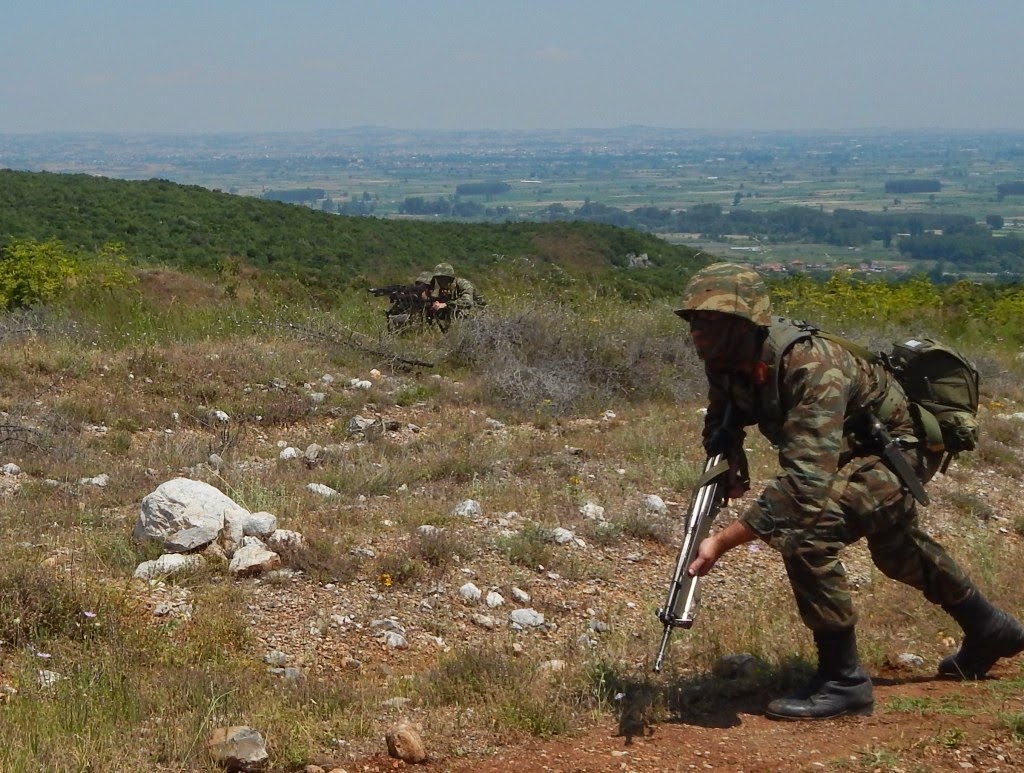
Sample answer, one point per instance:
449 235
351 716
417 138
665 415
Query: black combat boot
989 634
841 685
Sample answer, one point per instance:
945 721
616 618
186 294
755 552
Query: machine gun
409 304
709 494
395 291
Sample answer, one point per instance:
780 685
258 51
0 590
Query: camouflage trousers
866 501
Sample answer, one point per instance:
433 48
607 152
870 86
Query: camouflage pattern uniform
833 487
460 294
816 399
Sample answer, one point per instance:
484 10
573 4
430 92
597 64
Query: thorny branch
347 337
16 433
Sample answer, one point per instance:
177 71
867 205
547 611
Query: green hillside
164 223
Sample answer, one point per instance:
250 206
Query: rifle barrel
684 590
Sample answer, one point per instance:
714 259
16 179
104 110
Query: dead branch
347 337
16 433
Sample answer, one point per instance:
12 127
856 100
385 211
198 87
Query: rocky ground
340 631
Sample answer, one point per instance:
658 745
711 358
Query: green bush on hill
162 223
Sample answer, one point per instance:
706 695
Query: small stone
405 743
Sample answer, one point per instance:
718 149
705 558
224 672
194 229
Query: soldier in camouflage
810 396
454 296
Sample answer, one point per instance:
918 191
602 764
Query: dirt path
742 739
919 724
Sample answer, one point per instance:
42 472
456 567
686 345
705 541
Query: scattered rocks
187 516
470 592
239 749
168 565
526 618
468 508
908 660
562 536
253 557
405 743
655 504
322 489
190 508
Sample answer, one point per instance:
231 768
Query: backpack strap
922 417
782 334
885 407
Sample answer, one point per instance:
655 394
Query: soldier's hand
735 489
708 554
737 481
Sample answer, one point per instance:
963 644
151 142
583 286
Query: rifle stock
684 590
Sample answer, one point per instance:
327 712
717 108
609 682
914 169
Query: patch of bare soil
739 738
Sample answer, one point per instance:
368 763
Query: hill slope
158 221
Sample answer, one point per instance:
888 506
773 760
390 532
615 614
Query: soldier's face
726 343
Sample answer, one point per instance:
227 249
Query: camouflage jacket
813 419
460 293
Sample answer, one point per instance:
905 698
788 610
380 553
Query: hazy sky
252 65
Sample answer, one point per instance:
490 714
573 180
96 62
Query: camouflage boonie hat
425 278
444 269
730 289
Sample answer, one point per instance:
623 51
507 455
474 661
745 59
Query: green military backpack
943 384
940 382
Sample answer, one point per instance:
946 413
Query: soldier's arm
815 391
465 297
739 476
717 545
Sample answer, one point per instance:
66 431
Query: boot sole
864 711
955 673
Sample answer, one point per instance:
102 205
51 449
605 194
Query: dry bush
530 547
323 561
440 548
552 360
499 685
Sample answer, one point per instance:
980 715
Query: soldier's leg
818 579
840 685
903 551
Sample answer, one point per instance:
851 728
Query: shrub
530 547
439 548
38 605
323 561
553 360
34 272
